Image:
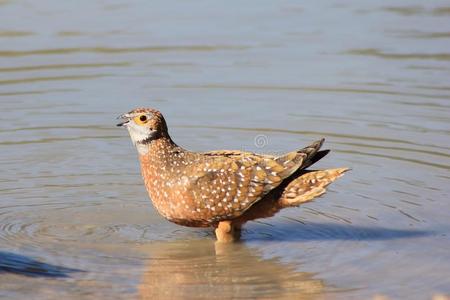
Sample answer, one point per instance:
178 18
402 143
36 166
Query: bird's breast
170 195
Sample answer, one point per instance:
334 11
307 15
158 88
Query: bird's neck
156 142
158 152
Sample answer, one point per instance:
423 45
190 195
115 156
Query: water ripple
398 56
109 50
320 133
51 140
37 92
14 33
63 66
311 89
24 265
51 78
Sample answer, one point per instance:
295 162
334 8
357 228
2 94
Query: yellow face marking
141 120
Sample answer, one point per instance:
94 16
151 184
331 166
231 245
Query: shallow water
265 76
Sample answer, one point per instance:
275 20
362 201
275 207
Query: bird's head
144 125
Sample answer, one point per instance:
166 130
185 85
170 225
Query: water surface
372 78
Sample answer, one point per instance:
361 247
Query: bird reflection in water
205 270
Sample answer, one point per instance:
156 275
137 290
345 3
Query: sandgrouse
221 189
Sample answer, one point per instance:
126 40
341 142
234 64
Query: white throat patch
138 135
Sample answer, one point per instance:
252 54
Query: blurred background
372 77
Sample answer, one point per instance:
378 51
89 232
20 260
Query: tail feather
309 186
318 156
301 159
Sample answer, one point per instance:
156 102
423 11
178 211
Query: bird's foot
227 232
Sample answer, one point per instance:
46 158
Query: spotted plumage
220 188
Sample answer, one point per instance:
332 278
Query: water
75 221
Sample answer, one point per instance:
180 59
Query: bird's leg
227 232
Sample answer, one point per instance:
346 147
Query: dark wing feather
227 183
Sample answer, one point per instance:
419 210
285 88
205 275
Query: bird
222 189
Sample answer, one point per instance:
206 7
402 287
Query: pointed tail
309 186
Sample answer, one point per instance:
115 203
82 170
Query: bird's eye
142 119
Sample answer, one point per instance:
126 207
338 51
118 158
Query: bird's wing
225 186
231 153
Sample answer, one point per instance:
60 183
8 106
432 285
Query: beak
125 117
